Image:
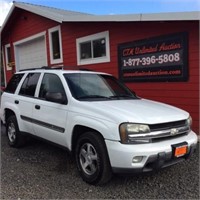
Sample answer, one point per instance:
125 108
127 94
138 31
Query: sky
110 7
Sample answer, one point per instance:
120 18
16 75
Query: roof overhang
172 16
61 16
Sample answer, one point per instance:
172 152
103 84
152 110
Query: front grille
168 125
181 127
164 131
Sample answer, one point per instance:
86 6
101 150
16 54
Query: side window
8 57
13 83
51 88
29 84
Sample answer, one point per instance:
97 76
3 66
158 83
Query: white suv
106 126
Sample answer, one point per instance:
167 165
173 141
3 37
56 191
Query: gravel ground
43 171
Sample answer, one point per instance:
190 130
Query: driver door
50 116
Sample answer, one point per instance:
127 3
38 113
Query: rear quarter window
13 83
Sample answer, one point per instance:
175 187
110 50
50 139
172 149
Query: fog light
137 159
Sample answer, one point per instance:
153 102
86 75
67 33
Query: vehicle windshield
97 87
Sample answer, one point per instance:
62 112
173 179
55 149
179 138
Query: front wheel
92 159
15 138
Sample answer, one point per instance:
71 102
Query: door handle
16 102
37 107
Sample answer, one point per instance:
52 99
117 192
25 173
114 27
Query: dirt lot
42 171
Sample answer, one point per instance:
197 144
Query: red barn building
156 55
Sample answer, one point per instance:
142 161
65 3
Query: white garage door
31 54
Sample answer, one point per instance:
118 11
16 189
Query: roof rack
75 68
57 68
29 69
43 67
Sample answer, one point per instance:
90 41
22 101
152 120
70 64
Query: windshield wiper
93 97
122 96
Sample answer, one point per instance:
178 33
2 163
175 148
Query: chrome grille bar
161 133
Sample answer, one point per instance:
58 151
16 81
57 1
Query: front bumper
155 155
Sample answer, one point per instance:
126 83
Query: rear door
25 100
50 116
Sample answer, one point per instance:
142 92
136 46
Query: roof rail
51 67
43 67
29 69
76 68
57 67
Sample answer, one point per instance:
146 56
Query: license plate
180 151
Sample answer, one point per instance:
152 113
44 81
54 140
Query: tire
15 138
92 159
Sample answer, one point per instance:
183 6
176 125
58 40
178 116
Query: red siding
184 95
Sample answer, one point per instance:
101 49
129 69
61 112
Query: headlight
128 131
189 122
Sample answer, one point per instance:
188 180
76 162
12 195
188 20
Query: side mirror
56 97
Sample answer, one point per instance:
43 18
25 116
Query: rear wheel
15 138
92 159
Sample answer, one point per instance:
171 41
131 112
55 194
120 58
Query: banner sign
163 58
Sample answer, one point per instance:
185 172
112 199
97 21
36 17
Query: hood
137 111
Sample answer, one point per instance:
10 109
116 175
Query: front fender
107 129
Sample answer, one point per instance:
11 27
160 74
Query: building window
8 57
55 43
93 49
2 69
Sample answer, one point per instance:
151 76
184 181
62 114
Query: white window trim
60 60
6 54
25 40
104 59
4 68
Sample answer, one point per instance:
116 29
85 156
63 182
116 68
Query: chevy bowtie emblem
173 131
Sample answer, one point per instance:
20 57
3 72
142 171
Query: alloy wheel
12 132
88 158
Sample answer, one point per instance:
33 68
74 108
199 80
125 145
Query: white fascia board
180 16
103 18
174 16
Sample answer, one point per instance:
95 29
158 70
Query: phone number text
151 60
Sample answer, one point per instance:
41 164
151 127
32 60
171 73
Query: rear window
13 83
